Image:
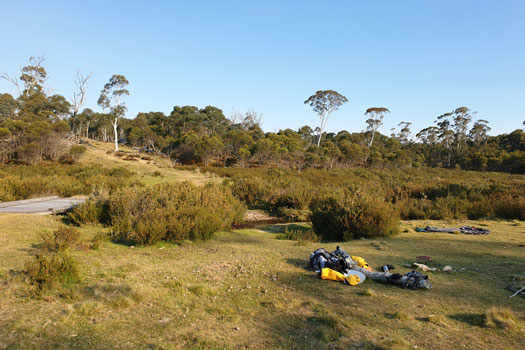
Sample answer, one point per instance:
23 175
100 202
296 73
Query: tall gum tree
324 102
375 117
111 99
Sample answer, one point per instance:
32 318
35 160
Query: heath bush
171 212
353 216
63 238
47 270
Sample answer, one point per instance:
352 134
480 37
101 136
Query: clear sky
419 58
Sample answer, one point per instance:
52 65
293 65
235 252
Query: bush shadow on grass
471 319
282 227
303 264
59 338
320 330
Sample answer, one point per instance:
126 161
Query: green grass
249 289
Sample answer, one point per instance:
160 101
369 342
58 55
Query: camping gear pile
353 270
467 230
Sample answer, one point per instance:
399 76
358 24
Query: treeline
190 135
37 126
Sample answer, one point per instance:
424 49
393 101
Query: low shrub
92 211
353 216
293 215
502 318
47 270
510 207
76 151
171 212
299 233
423 193
66 158
63 238
26 181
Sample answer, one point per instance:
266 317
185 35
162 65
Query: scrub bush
353 216
26 181
510 207
90 212
502 318
48 270
424 193
171 212
299 233
63 238
76 151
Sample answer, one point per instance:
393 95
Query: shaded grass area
249 289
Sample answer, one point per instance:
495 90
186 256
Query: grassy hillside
248 289
98 170
151 168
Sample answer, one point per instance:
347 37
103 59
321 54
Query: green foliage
45 271
76 151
62 239
167 212
352 216
423 193
25 181
92 211
299 233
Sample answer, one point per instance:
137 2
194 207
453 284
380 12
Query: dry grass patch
246 289
501 318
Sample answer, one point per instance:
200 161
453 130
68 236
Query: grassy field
247 289
152 170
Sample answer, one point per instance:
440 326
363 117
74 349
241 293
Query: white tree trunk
371 139
115 126
321 129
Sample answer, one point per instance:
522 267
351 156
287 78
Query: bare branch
12 81
80 91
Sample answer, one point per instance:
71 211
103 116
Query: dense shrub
92 211
510 207
26 181
63 238
66 158
299 233
353 216
423 193
76 151
171 212
47 270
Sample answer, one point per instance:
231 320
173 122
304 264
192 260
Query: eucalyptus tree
461 118
324 102
111 99
404 132
375 117
478 133
446 135
79 92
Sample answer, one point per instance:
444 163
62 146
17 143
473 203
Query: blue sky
418 58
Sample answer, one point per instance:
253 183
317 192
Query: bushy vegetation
500 318
45 271
165 212
192 135
61 239
350 216
298 233
424 193
25 181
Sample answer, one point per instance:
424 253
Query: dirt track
46 205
